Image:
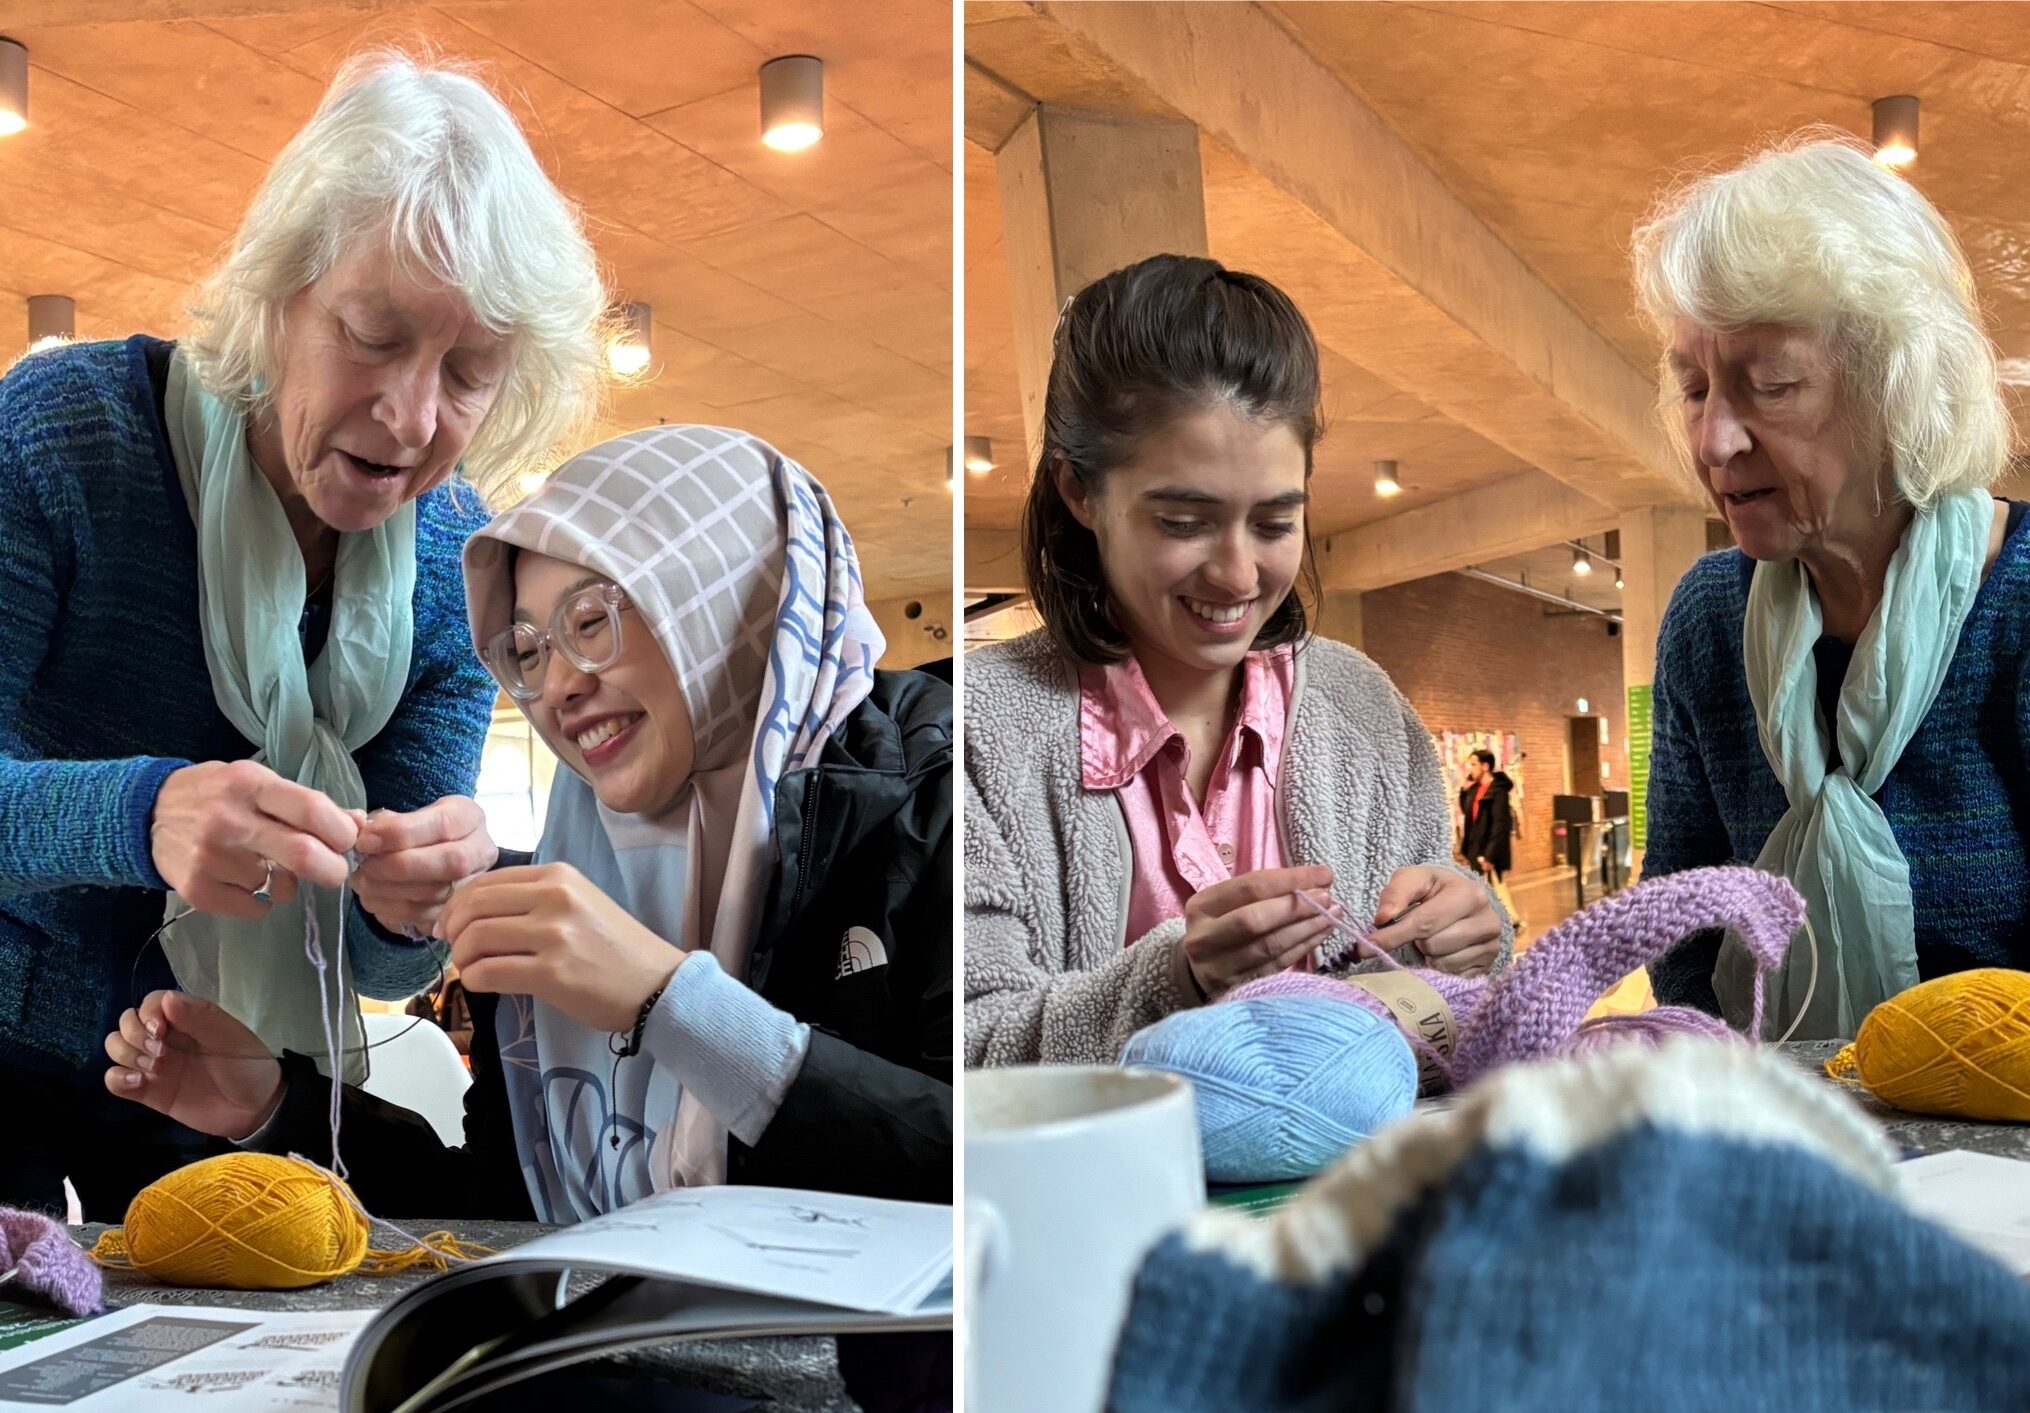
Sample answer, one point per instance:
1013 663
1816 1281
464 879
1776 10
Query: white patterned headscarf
736 561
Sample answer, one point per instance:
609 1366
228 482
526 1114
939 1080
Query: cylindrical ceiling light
52 320
1385 482
792 102
13 87
1896 130
1582 562
633 337
979 455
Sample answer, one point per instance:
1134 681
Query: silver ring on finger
262 894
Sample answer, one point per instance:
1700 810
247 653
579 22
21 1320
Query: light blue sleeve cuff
736 1053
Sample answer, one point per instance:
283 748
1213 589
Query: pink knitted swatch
38 1257
1538 1006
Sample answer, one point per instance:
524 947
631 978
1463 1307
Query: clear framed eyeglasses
585 628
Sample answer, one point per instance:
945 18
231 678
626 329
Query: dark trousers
70 1126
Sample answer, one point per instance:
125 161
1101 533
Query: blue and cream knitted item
1958 801
104 692
1701 1228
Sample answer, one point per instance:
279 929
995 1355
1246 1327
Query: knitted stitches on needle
38 1257
1538 1006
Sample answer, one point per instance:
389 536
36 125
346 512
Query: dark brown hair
1163 337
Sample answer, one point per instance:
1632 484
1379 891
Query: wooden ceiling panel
1561 124
805 297
188 78
888 60
864 183
799 254
639 56
276 34
1558 126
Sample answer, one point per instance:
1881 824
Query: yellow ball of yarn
244 1221
1956 1045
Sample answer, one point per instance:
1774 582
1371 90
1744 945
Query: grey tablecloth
791 1375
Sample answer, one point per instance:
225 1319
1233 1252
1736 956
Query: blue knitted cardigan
104 691
1958 801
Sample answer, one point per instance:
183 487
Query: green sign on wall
1638 764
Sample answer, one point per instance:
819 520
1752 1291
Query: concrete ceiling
805 297
1550 127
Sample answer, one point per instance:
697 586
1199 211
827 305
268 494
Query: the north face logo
860 950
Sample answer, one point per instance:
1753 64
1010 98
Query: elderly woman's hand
414 860
548 932
1451 918
219 826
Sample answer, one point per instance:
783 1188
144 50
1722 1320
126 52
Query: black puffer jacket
864 842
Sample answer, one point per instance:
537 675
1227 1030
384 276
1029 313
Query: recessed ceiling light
792 102
628 354
52 320
13 87
1896 130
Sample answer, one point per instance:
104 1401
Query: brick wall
1472 657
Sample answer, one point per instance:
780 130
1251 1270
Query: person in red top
1485 822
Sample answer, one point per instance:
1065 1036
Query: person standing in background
1485 821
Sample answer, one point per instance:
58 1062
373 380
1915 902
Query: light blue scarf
1834 843
307 720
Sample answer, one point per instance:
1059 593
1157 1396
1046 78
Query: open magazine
721 1262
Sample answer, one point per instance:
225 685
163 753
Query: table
1916 1131
799 1375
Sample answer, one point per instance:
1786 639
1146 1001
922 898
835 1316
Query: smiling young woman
1159 772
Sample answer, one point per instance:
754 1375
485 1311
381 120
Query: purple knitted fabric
1538 1006
38 1256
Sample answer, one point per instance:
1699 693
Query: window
515 771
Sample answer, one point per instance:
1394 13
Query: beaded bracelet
632 1044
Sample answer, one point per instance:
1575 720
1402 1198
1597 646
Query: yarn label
1419 1010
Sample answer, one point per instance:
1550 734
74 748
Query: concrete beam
1080 196
1514 516
1442 308
994 107
993 562
1657 548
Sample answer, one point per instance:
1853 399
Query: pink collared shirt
1178 845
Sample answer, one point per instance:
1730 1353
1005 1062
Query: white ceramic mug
1072 1172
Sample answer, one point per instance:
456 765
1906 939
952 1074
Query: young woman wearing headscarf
731 957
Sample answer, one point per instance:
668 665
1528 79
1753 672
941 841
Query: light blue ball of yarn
1284 1084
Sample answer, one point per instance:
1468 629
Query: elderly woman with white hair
234 615
1842 699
